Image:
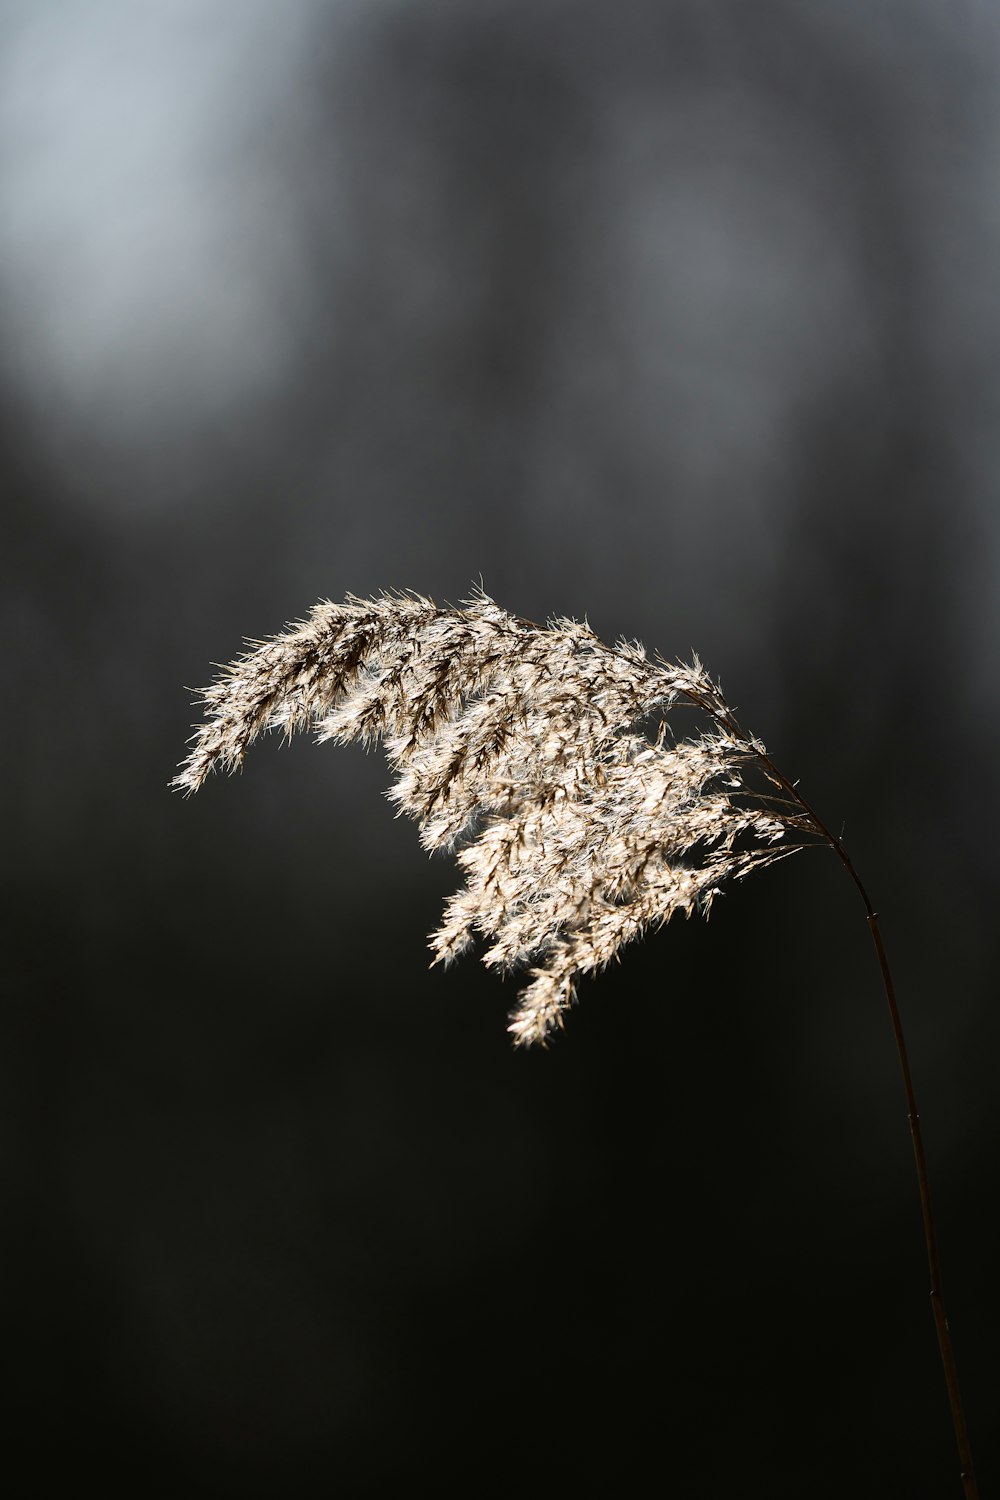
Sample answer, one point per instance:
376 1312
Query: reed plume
543 757
522 748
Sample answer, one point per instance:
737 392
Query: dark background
683 316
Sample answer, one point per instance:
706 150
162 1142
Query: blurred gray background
680 314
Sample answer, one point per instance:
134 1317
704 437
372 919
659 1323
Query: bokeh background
680 314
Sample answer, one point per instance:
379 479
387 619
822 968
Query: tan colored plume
522 745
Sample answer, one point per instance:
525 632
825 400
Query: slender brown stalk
937 1295
923 1181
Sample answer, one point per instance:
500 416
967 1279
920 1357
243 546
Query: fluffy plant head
527 750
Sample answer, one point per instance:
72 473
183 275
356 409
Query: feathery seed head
522 741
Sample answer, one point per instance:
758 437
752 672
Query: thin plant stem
930 1237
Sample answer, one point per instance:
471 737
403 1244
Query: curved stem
930 1236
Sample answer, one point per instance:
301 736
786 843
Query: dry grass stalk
523 747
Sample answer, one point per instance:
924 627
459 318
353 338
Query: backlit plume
540 754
